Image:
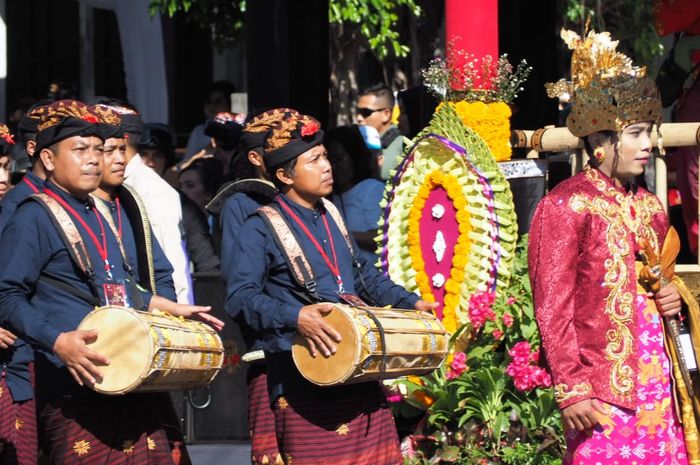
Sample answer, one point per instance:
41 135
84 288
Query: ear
282 176
254 158
387 115
30 147
47 158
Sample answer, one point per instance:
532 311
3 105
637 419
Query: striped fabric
18 439
96 429
261 419
345 425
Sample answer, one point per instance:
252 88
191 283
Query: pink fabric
650 436
429 227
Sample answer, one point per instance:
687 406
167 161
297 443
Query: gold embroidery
624 215
81 447
151 444
128 447
265 460
53 114
1 391
19 424
282 403
343 430
289 460
562 393
279 461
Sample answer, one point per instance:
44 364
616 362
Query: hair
240 167
210 172
351 159
224 87
590 149
380 91
289 170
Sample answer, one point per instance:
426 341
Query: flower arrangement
481 90
490 403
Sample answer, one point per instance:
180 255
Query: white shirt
165 214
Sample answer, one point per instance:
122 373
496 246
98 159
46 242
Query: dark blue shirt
263 291
14 362
33 308
236 210
163 270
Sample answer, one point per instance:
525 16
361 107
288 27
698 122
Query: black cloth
200 248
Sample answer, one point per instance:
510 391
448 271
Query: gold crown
607 91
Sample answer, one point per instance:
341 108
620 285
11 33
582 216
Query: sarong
344 425
18 438
172 427
651 435
261 419
93 429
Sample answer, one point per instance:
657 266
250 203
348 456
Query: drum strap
288 243
74 245
382 340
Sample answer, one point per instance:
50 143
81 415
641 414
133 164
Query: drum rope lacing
382 340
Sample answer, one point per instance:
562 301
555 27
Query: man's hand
582 415
668 301
187 311
425 306
6 338
71 348
319 335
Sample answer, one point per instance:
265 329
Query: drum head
338 367
124 339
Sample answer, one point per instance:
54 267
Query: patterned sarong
261 419
18 439
345 425
651 435
96 429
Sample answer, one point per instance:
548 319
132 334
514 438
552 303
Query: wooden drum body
416 343
152 351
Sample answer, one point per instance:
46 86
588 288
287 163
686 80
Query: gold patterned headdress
607 91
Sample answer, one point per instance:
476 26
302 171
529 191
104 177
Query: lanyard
333 266
101 247
106 213
30 184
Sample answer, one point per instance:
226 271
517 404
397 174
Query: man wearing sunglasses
374 108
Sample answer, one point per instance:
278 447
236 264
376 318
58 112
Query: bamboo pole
551 139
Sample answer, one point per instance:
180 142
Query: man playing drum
315 425
49 282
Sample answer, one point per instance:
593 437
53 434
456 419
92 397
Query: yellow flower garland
491 121
459 262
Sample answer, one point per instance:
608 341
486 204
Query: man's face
372 111
634 153
76 164
4 174
312 173
217 102
114 163
154 159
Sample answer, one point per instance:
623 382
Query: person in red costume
602 333
682 17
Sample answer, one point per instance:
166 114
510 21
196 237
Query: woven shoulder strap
141 226
288 243
338 219
67 230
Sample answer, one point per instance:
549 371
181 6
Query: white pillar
3 61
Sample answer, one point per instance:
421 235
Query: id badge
352 299
115 294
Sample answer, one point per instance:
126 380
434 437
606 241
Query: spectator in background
6 141
374 108
225 133
416 107
218 100
355 155
157 149
201 179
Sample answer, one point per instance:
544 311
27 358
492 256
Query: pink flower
510 301
497 334
394 398
523 369
480 308
508 320
458 365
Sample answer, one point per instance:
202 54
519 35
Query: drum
377 343
152 351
